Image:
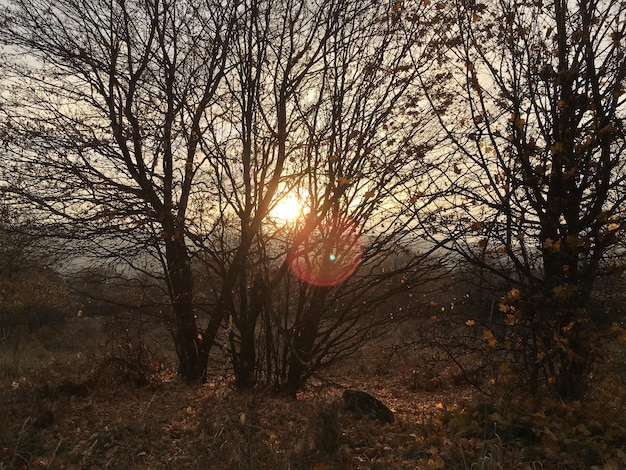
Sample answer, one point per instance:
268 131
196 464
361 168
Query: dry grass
66 408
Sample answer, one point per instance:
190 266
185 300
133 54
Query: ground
64 408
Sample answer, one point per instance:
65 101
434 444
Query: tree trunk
303 342
244 360
208 338
181 290
572 380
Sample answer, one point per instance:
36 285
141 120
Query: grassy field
64 406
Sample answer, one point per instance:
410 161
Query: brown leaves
552 246
618 331
489 338
476 226
343 181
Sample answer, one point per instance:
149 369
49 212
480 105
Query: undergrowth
68 406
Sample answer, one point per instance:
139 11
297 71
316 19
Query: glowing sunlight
288 209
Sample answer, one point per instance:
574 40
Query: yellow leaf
436 462
416 196
470 322
488 336
552 246
581 428
398 6
497 418
439 406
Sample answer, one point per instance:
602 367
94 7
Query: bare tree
171 129
105 104
532 102
325 108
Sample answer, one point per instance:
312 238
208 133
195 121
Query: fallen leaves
489 338
177 426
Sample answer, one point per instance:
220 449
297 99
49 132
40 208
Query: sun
288 209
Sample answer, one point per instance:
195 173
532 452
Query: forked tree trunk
245 360
303 342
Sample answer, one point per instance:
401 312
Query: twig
20 436
145 410
54 454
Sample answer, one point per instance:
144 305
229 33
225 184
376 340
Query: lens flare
328 255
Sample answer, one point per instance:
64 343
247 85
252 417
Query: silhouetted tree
105 107
532 103
154 131
321 111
